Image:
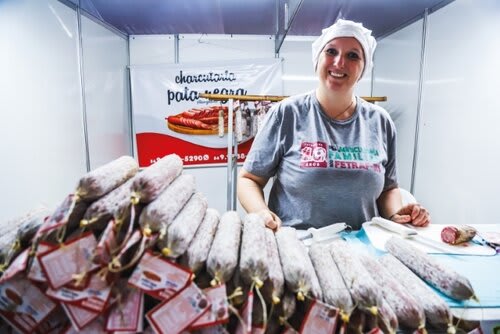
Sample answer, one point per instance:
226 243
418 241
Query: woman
331 153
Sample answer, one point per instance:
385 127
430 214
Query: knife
324 234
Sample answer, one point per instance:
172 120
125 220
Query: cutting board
378 236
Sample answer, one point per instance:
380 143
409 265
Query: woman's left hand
414 214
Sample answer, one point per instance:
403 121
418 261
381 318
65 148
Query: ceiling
256 17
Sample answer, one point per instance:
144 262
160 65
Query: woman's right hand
270 218
251 195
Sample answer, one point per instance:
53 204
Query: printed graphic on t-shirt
313 155
321 155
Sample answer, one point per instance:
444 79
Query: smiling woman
311 144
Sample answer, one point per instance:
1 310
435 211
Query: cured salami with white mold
113 205
316 291
158 214
11 226
237 291
67 217
364 291
335 292
356 322
202 279
197 252
288 306
437 312
430 270
370 322
74 218
16 234
455 235
410 314
295 262
152 181
386 318
30 225
254 264
223 255
275 283
102 180
183 228
286 309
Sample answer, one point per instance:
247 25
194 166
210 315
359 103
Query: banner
170 117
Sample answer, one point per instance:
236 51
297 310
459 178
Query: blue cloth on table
483 272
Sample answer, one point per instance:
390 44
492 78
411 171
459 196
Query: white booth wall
42 133
456 175
107 93
399 81
297 74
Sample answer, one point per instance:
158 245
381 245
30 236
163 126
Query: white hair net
346 28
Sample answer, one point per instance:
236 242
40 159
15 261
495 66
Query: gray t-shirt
326 171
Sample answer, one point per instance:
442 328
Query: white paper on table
378 237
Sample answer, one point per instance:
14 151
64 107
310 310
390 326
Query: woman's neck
338 106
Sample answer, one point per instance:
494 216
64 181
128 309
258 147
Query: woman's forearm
389 202
251 197
250 192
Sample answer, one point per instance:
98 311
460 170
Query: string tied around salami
59 219
216 281
257 284
344 316
302 293
122 295
61 234
33 248
372 309
16 245
275 300
283 320
234 311
147 232
103 273
115 266
135 198
115 263
452 328
86 222
166 251
78 279
130 229
421 329
236 293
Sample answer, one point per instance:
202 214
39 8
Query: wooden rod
272 98
219 97
374 98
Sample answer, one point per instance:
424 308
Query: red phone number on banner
154 146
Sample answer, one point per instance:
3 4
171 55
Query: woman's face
340 64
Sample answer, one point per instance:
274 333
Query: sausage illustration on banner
198 121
